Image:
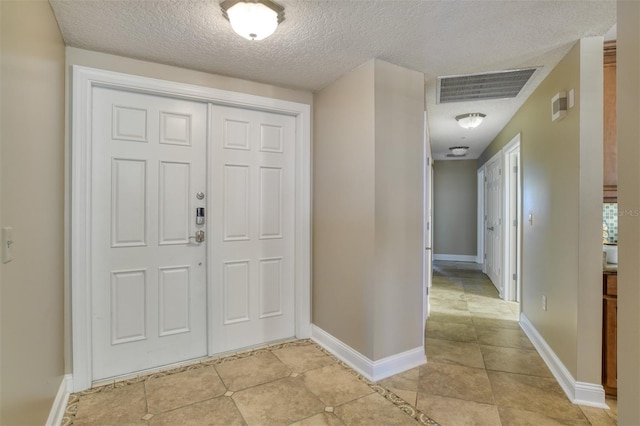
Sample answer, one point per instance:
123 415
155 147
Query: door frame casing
511 267
480 222
84 79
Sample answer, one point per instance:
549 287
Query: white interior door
428 225
493 221
252 204
148 278
512 202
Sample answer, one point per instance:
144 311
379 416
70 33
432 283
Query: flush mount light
253 19
459 150
471 120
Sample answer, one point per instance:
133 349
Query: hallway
481 367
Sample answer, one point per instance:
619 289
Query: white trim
510 288
590 394
456 257
372 370
427 240
480 225
84 79
60 402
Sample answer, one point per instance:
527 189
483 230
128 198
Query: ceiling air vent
479 87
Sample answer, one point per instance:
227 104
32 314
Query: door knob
199 237
490 228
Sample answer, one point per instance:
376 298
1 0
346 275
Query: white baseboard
456 257
60 402
582 393
372 370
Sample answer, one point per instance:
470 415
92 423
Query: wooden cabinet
609 330
610 136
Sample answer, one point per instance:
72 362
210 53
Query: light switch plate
7 243
571 98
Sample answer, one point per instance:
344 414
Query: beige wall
343 208
629 206
32 202
455 207
562 188
121 64
367 230
399 168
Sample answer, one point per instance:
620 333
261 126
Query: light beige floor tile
494 315
335 385
176 390
372 410
490 308
451 411
514 360
597 416
407 380
446 315
441 283
479 296
496 323
92 422
515 417
322 419
613 408
447 295
214 412
303 358
280 402
122 405
449 306
251 371
457 353
503 337
450 331
455 381
531 393
481 290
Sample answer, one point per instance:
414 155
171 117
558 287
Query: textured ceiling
320 40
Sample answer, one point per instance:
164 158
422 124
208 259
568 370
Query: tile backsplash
610 218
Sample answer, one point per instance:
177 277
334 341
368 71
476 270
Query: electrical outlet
544 303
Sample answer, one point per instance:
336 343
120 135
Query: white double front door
158 294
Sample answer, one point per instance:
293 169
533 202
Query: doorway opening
500 213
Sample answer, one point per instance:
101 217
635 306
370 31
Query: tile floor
481 367
293 383
481 370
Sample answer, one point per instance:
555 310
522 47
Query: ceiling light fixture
471 120
459 150
253 19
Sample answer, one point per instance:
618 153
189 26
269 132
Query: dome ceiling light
253 19
471 120
458 151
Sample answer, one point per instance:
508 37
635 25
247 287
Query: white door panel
252 213
148 279
493 222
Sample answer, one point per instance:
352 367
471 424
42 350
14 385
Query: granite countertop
610 268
